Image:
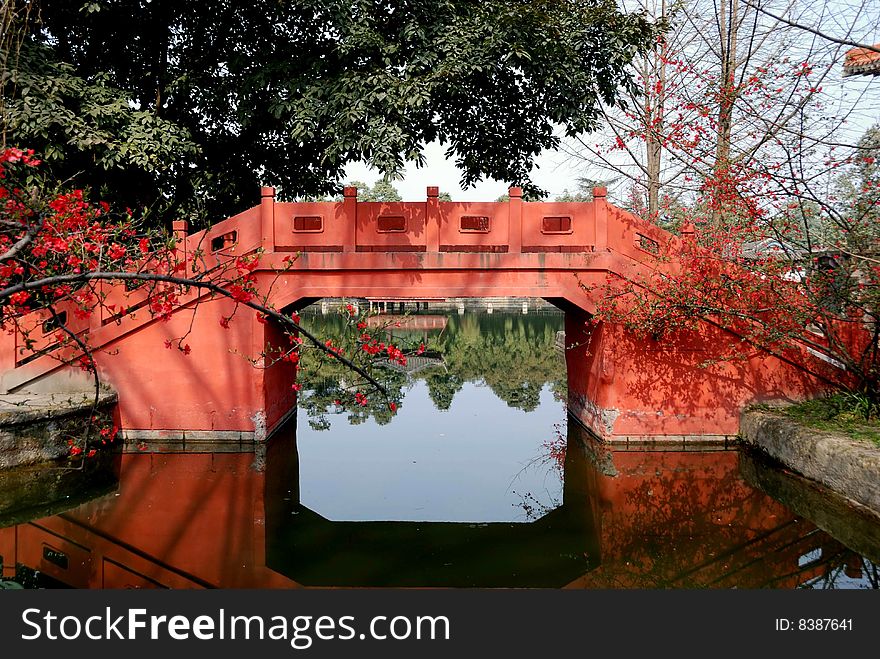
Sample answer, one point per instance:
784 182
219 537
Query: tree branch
182 281
811 30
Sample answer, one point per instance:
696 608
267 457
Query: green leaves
87 126
287 94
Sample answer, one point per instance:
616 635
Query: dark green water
479 480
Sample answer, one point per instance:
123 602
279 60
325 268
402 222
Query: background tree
745 129
583 192
857 218
803 298
735 101
88 133
382 190
287 94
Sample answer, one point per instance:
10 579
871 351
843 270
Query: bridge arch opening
477 408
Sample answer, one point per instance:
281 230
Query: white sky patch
552 173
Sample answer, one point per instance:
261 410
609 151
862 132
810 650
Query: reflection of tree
327 385
551 460
513 354
325 388
442 387
850 567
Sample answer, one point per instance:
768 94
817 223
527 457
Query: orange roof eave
862 61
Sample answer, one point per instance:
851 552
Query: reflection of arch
313 550
629 519
549 552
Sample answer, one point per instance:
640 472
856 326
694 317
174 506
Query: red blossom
19 298
239 294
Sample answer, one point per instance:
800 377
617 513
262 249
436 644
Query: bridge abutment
227 392
690 387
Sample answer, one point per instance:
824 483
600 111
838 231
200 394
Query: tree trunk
655 101
728 26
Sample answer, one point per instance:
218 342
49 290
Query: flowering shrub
789 301
62 255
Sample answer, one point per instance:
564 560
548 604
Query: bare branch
194 283
812 30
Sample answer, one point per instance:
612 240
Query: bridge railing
513 227
435 226
509 227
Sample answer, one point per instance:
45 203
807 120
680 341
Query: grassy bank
845 412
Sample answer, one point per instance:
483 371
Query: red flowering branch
823 302
58 249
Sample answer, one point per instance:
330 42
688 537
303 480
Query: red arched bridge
621 386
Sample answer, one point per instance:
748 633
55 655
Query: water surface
479 480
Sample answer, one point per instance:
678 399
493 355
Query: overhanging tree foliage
287 94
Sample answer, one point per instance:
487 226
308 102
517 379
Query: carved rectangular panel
391 224
556 224
474 224
308 224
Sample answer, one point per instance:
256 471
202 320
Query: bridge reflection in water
628 518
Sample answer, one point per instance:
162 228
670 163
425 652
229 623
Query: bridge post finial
514 231
349 214
432 219
267 218
180 229
688 231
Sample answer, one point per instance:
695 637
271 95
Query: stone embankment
35 427
847 466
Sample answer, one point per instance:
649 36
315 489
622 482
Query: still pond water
479 480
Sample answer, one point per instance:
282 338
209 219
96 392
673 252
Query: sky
553 173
